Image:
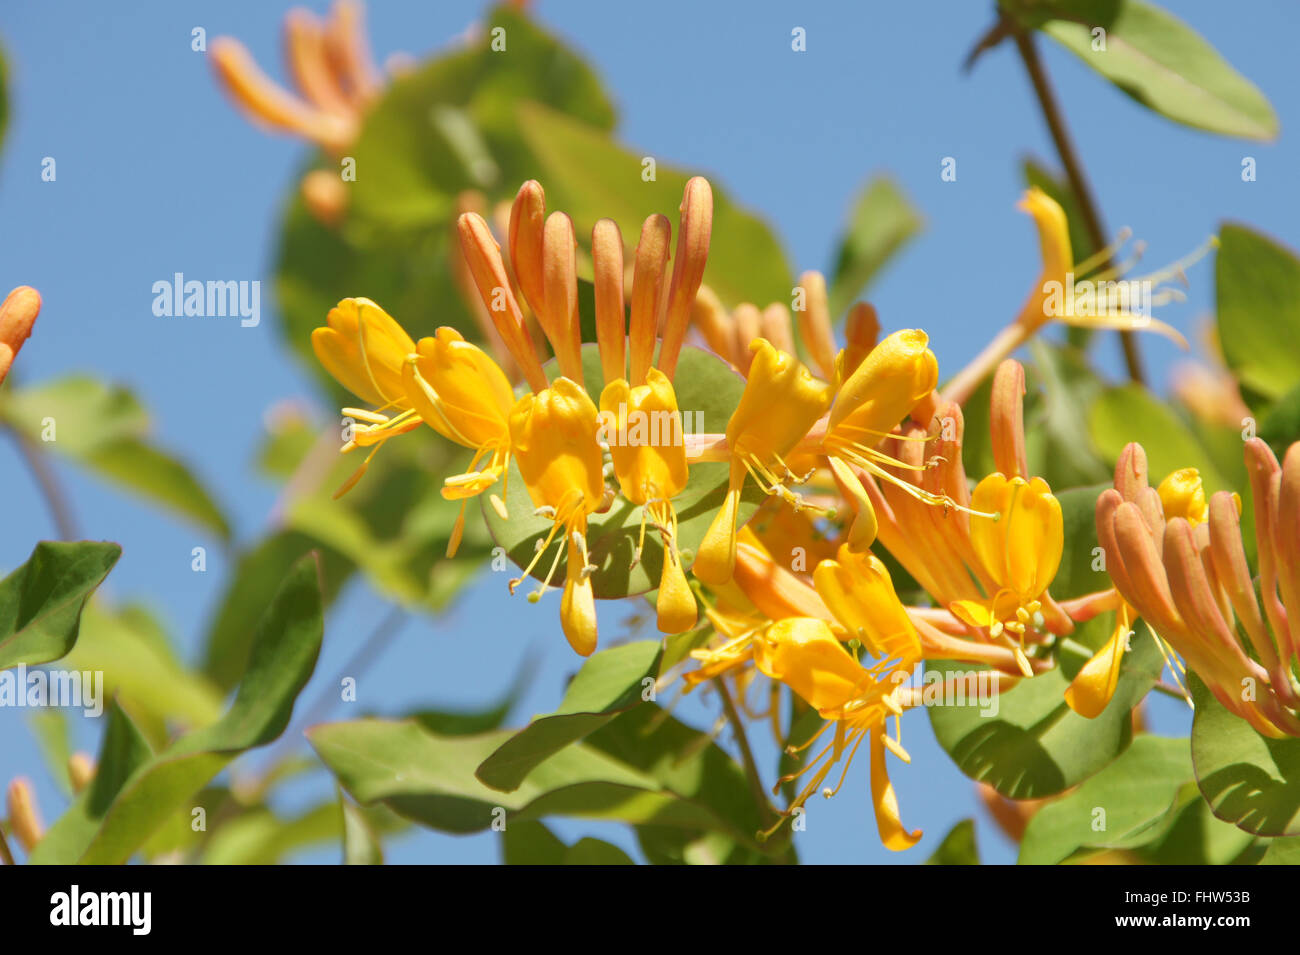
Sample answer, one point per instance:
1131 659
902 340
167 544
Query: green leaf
41 601
1249 780
590 851
708 391
531 843
395 524
1257 295
50 727
283 657
1035 745
123 751
1159 61
450 124
257 574
1130 413
590 176
1056 425
129 647
261 837
1197 837
105 429
430 779
882 222
609 683
1120 807
687 762
958 846
1282 852
1075 576
1281 427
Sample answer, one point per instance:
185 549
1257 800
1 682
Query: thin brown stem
48 482
746 754
6 854
1073 172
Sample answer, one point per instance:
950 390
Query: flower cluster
858 455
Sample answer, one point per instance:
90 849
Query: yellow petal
803 654
643 429
1183 495
553 437
1053 233
859 592
715 559
459 390
895 375
888 818
365 350
781 402
578 607
971 612
675 605
1094 684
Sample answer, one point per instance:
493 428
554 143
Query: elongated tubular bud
527 234
24 818
349 48
1265 490
711 318
265 101
1145 572
1007 421
777 327
1131 471
815 324
559 317
306 52
749 325
1229 557
694 231
484 258
611 323
1286 541
647 286
861 330
17 317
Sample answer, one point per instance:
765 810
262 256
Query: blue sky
158 174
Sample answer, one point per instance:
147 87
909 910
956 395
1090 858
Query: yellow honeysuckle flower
464 395
365 350
804 654
643 428
897 374
553 438
780 403
858 590
1020 551
1078 293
